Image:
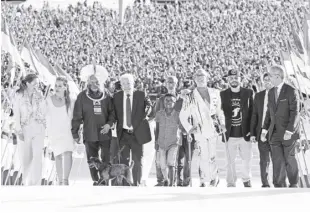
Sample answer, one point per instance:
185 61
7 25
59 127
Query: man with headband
94 109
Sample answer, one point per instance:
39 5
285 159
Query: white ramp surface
85 198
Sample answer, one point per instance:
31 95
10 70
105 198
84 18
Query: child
167 138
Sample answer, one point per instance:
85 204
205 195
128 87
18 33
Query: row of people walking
192 119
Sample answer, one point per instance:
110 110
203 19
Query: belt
128 131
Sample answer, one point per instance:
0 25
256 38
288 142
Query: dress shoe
247 184
202 185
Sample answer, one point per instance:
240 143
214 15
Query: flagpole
302 99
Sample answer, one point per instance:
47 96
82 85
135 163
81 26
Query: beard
234 84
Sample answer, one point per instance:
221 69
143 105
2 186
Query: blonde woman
59 115
29 113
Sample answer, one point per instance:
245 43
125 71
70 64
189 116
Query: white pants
245 151
207 164
32 149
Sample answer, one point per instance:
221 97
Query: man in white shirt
257 121
282 123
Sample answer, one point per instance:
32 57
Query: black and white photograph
155 105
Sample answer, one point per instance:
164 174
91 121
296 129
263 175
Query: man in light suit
257 122
133 130
201 105
282 123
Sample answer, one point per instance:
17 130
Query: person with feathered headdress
94 109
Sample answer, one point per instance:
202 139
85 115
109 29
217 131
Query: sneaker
247 184
231 185
159 184
214 183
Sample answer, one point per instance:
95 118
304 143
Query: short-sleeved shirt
169 129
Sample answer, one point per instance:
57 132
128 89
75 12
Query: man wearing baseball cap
237 104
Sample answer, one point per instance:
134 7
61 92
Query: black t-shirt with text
236 120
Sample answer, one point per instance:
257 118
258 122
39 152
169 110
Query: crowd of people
155 39
182 50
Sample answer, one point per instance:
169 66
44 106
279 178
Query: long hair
23 84
67 91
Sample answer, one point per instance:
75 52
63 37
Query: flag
306 27
45 75
9 45
295 70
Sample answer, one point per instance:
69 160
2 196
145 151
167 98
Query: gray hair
203 72
279 70
127 76
173 77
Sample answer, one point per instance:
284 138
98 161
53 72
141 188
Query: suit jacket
141 107
283 115
246 105
257 114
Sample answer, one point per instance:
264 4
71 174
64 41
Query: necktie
276 94
128 111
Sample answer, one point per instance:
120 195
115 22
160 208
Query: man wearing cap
237 104
133 131
257 121
282 123
201 105
94 109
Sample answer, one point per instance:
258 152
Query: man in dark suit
257 121
133 130
282 124
237 104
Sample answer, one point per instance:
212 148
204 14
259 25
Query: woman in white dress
29 113
59 115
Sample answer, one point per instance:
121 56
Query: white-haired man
202 105
94 109
282 123
133 130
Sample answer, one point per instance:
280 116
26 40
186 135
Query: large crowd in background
157 39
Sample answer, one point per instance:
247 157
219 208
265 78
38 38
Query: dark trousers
114 149
130 143
183 162
284 161
264 161
92 150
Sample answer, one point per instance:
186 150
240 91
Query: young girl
167 138
59 115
